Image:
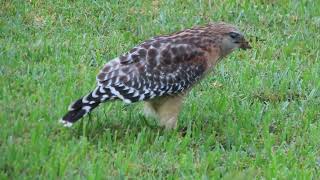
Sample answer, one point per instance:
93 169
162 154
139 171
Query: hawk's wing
153 69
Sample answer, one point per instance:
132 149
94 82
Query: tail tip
65 123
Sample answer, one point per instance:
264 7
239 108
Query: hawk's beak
245 45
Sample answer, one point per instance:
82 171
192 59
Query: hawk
160 71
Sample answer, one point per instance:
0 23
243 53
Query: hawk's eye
234 35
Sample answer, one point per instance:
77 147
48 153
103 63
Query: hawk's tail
84 105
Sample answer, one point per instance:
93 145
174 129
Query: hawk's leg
166 109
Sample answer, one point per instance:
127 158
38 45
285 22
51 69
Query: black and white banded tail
86 104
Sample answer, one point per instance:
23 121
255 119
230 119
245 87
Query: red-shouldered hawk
160 71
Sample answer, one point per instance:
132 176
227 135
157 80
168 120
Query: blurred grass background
256 116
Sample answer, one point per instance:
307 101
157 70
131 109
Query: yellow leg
166 109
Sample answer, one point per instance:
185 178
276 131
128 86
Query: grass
257 116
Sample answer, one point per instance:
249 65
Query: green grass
257 116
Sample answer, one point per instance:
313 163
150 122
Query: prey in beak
245 45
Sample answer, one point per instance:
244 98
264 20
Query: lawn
256 116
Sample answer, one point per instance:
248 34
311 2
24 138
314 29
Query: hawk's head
231 37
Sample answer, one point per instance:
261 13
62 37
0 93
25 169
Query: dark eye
234 35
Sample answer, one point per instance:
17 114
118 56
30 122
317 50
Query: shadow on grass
95 129
102 130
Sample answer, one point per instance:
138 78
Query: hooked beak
245 45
